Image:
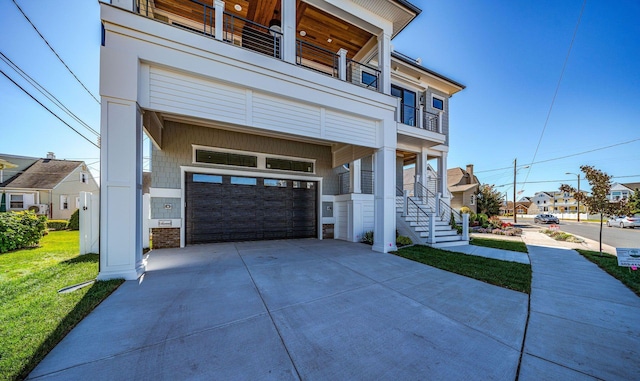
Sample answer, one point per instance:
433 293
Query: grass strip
609 263
511 275
33 316
518 246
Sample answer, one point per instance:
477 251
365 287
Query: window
84 178
289 165
16 201
244 180
472 201
226 158
437 103
64 202
408 105
275 183
369 80
200 178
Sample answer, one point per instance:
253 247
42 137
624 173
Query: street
615 237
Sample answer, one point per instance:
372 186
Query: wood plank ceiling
319 28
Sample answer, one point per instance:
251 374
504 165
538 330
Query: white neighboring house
47 186
253 112
541 202
620 191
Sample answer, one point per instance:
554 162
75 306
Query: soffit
390 10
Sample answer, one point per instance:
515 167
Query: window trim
441 99
260 157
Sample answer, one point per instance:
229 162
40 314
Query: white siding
341 214
280 114
367 216
344 127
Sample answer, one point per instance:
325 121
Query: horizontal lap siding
284 115
356 130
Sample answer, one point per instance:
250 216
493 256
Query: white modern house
269 119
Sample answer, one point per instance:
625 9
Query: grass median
34 317
609 263
511 275
518 246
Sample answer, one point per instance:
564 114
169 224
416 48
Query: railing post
465 227
432 228
405 203
342 64
420 123
437 208
219 21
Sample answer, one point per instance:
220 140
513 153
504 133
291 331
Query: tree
489 200
634 202
598 202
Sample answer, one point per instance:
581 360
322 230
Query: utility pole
515 214
578 200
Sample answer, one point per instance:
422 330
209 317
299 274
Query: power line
555 93
564 157
54 52
46 108
45 92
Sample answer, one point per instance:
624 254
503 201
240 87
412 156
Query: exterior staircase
415 224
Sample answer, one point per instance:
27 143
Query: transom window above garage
236 158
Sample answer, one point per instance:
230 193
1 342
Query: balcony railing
366 182
418 117
259 38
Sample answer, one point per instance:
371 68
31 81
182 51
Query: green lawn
33 316
511 275
500 244
609 263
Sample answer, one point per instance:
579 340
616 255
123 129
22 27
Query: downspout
50 203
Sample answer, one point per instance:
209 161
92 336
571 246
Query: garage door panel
226 209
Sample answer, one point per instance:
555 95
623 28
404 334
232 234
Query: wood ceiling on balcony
322 29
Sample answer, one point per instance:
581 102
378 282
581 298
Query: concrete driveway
291 310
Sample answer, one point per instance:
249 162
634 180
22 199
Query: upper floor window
437 103
369 80
84 178
408 110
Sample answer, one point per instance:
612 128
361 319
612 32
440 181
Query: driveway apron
294 310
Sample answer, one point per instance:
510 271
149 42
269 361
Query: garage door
236 208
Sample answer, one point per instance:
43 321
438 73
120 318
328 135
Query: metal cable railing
426 195
366 182
430 121
317 58
446 211
251 35
363 75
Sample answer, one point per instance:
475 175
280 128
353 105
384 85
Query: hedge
20 229
57 224
74 221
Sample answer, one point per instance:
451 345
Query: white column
219 21
465 227
342 64
355 176
121 190
289 30
423 158
442 174
384 232
384 54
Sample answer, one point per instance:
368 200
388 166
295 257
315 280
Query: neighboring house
255 110
541 202
47 186
522 207
621 191
464 186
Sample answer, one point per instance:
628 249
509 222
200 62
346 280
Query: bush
74 221
482 218
403 241
57 224
495 222
20 229
368 237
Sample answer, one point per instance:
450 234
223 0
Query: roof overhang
410 67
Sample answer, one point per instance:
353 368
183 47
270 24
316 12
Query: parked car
546 219
624 221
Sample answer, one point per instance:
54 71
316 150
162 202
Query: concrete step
439 245
441 234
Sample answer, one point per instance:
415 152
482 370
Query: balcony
418 117
256 26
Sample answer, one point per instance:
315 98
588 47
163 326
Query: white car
624 221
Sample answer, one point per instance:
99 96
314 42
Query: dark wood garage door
235 208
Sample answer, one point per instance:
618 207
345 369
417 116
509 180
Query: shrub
403 241
57 224
74 221
20 229
482 218
367 237
495 222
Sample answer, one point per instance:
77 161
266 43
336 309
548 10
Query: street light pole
577 174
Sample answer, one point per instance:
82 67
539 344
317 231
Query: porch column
423 159
355 176
384 51
442 175
289 30
219 19
129 5
121 190
384 231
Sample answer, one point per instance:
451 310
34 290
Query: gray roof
43 174
632 186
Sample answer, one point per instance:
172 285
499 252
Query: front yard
34 317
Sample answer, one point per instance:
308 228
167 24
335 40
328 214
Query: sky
509 54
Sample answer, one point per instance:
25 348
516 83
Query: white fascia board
164 192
